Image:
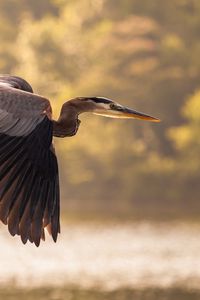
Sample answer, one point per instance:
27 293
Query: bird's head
108 108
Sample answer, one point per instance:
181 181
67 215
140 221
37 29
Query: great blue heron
29 182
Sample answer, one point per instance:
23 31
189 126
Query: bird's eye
112 106
116 107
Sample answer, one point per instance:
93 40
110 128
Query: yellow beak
121 112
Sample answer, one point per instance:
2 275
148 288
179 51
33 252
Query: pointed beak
127 113
122 112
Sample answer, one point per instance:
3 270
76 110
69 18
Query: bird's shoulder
19 101
15 82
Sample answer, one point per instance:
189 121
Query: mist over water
132 255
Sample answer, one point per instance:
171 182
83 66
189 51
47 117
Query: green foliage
144 54
186 136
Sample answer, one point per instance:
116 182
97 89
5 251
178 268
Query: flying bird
29 180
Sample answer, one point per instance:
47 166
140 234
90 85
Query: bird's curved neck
68 122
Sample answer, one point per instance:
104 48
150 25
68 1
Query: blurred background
130 189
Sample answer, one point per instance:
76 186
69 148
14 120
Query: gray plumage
29 184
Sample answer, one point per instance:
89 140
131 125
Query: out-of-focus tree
144 54
12 13
186 140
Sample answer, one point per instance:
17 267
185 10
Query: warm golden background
144 54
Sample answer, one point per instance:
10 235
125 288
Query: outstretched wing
29 184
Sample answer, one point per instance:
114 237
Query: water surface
107 256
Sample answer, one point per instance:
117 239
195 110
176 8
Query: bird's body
29 180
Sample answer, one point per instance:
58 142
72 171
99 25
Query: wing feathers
29 196
29 184
37 221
